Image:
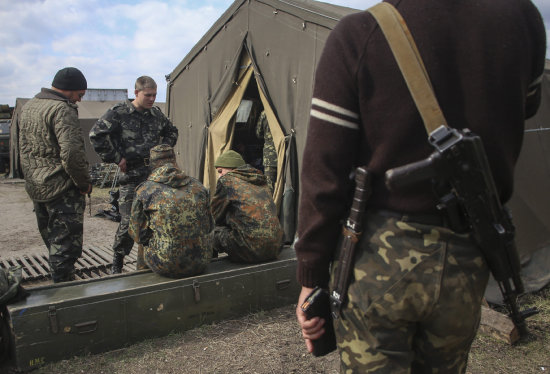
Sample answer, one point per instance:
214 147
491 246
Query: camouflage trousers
60 223
414 300
178 262
123 242
225 240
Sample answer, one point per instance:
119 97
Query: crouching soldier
247 227
171 218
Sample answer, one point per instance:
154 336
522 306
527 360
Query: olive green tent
530 204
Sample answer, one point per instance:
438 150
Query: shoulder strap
410 62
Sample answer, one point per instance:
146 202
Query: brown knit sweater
483 58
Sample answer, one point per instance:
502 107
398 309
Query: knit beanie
70 79
230 160
161 152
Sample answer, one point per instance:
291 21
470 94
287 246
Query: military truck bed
94 315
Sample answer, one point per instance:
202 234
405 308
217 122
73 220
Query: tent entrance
234 127
245 139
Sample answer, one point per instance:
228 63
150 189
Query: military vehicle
101 312
5 120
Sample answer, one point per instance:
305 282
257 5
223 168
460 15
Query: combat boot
63 277
118 262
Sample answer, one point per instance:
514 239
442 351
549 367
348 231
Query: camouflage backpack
10 291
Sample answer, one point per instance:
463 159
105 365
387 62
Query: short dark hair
144 82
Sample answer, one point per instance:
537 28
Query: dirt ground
268 342
19 232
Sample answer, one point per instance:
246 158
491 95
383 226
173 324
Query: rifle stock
464 186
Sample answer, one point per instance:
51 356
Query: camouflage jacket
124 132
243 203
263 132
171 217
51 147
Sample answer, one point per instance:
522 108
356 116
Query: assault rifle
468 197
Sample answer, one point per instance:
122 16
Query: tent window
243 113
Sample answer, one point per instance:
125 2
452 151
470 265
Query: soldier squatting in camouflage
247 227
269 152
125 132
171 218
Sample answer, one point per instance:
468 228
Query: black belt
431 219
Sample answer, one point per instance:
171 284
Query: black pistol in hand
317 304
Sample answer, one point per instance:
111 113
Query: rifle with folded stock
464 186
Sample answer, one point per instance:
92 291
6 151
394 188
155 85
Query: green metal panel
61 321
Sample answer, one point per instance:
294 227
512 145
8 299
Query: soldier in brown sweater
414 297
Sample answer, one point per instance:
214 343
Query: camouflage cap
162 152
230 160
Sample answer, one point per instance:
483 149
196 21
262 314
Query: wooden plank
87 261
498 325
106 257
93 259
5 264
26 273
78 265
44 268
28 266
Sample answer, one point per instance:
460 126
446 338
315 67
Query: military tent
530 204
278 42
262 53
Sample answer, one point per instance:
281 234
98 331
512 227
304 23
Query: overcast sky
111 41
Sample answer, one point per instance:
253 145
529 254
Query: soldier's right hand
122 165
312 329
87 191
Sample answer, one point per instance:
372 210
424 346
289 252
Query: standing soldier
125 136
171 218
247 227
269 153
413 302
55 168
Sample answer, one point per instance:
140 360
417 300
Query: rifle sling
410 63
